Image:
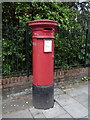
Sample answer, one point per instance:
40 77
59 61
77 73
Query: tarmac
69 103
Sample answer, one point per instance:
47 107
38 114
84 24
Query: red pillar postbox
43 62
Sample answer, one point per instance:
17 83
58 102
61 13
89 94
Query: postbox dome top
43 22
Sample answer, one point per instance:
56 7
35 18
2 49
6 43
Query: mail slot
43 62
48 29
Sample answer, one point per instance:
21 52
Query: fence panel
71 49
16 50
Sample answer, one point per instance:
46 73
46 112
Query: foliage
68 42
84 14
85 78
20 13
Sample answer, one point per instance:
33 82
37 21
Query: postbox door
43 61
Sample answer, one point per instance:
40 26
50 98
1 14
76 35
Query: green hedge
70 37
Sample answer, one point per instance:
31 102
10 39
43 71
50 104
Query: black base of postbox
43 96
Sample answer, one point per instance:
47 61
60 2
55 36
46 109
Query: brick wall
0 82
70 76
89 72
76 73
59 76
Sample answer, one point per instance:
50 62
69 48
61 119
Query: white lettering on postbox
47 45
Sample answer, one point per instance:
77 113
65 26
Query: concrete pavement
69 103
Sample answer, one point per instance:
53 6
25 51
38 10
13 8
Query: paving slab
89 115
36 113
69 103
58 91
28 101
14 105
74 92
64 99
83 88
76 110
86 116
89 89
83 99
0 107
77 91
0 116
64 116
18 114
80 119
74 106
54 112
